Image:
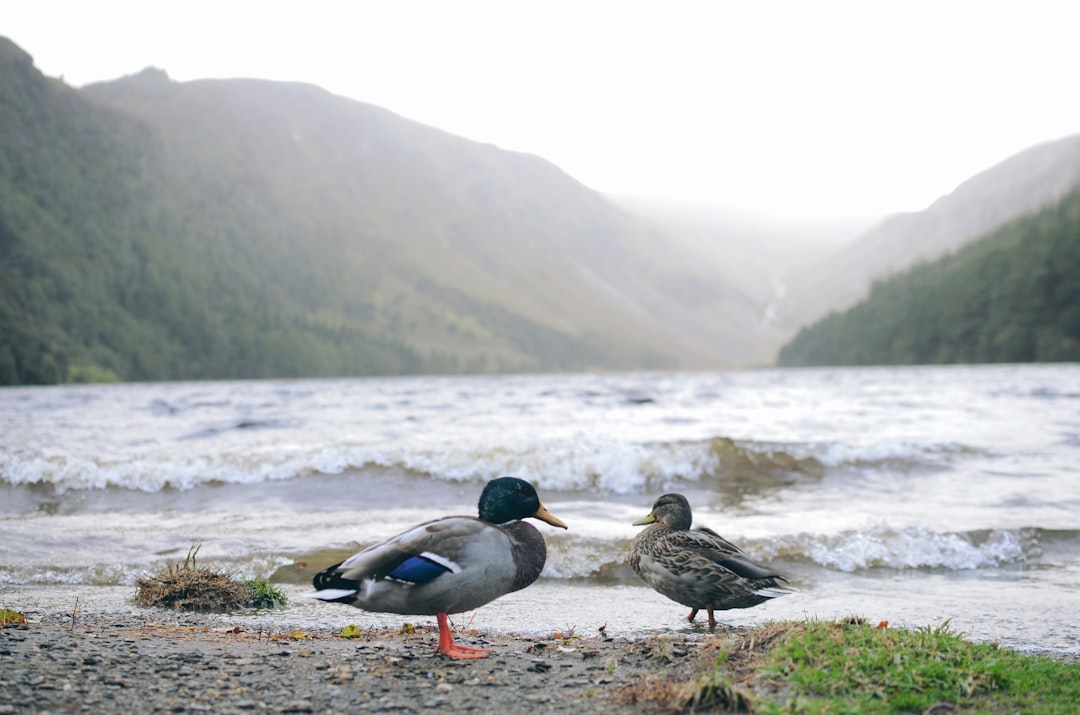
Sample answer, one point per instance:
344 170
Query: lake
916 495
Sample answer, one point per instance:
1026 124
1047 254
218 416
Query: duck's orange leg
712 620
693 615
450 649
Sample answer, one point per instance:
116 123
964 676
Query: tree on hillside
1013 296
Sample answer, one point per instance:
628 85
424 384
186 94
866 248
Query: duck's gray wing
447 565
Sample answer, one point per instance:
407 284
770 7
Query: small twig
74 614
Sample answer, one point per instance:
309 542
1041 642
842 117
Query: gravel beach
176 662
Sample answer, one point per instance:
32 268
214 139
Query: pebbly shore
170 662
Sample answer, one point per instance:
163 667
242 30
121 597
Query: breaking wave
584 462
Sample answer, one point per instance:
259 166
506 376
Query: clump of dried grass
711 678
186 587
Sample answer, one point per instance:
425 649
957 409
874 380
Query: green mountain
1021 184
155 230
1012 296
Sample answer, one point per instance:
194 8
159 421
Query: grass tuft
263 594
187 587
852 666
712 690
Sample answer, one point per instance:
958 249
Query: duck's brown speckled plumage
698 567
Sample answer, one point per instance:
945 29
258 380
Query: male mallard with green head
448 565
697 567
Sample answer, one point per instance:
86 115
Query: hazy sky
797 110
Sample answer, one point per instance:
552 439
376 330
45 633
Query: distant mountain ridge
1019 185
471 225
1011 296
273 229
152 229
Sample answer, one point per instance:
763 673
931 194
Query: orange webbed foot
461 652
450 649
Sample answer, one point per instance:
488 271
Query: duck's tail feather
337 595
773 591
330 585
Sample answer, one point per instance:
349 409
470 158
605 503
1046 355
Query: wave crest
593 462
908 548
849 551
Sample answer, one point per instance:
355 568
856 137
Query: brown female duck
697 567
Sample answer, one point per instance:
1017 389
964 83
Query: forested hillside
155 230
1013 296
103 276
1021 184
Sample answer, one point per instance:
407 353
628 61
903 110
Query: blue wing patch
417 569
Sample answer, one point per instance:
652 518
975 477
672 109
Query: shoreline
635 611
170 661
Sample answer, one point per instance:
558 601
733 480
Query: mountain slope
454 230
1019 185
1013 296
237 228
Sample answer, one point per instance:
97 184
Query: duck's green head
671 510
509 498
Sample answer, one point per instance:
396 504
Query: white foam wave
591 461
573 556
148 474
887 455
907 548
584 462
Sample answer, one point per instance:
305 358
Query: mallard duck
448 565
697 567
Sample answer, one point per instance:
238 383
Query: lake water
913 495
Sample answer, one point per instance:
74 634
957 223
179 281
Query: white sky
795 110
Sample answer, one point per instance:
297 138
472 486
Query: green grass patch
263 594
858 668
853 667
